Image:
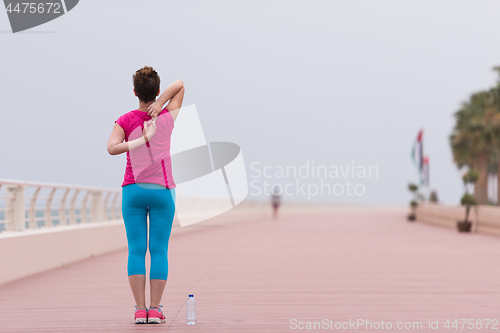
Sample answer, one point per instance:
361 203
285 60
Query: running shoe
141 316
155 316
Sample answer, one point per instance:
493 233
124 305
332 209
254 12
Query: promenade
260 275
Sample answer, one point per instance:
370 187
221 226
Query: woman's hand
174 93
154 109
149 129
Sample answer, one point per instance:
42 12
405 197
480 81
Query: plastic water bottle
191 310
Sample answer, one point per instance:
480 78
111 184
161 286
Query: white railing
25 205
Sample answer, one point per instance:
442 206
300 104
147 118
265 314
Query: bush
412 187
433 197
468 200
471 177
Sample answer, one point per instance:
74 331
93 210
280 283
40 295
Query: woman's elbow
111 150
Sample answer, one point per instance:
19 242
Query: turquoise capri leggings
139 200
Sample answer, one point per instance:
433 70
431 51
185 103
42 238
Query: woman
148 186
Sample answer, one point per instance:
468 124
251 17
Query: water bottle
191 310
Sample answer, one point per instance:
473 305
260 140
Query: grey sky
289 81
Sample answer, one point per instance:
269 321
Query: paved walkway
260 276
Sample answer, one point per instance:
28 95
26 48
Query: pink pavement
268 275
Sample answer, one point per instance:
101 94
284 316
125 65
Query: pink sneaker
155 316
141 316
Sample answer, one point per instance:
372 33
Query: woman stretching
148 187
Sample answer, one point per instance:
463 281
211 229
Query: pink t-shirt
149 163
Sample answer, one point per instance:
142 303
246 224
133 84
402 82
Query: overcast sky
337 83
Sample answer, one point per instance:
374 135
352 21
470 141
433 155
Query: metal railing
25 206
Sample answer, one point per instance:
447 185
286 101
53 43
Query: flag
426 171
417 155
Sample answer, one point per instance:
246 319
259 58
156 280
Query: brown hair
146 83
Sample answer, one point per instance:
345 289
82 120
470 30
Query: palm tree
492 119
471 140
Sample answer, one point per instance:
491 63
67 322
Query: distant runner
275 200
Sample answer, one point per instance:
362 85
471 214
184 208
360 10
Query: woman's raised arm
175 94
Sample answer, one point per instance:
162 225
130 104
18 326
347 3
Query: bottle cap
191 295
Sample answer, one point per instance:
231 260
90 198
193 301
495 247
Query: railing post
84 216
113 206
32 210
96 207
48 209
62 208
14 200
105 215
72 214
